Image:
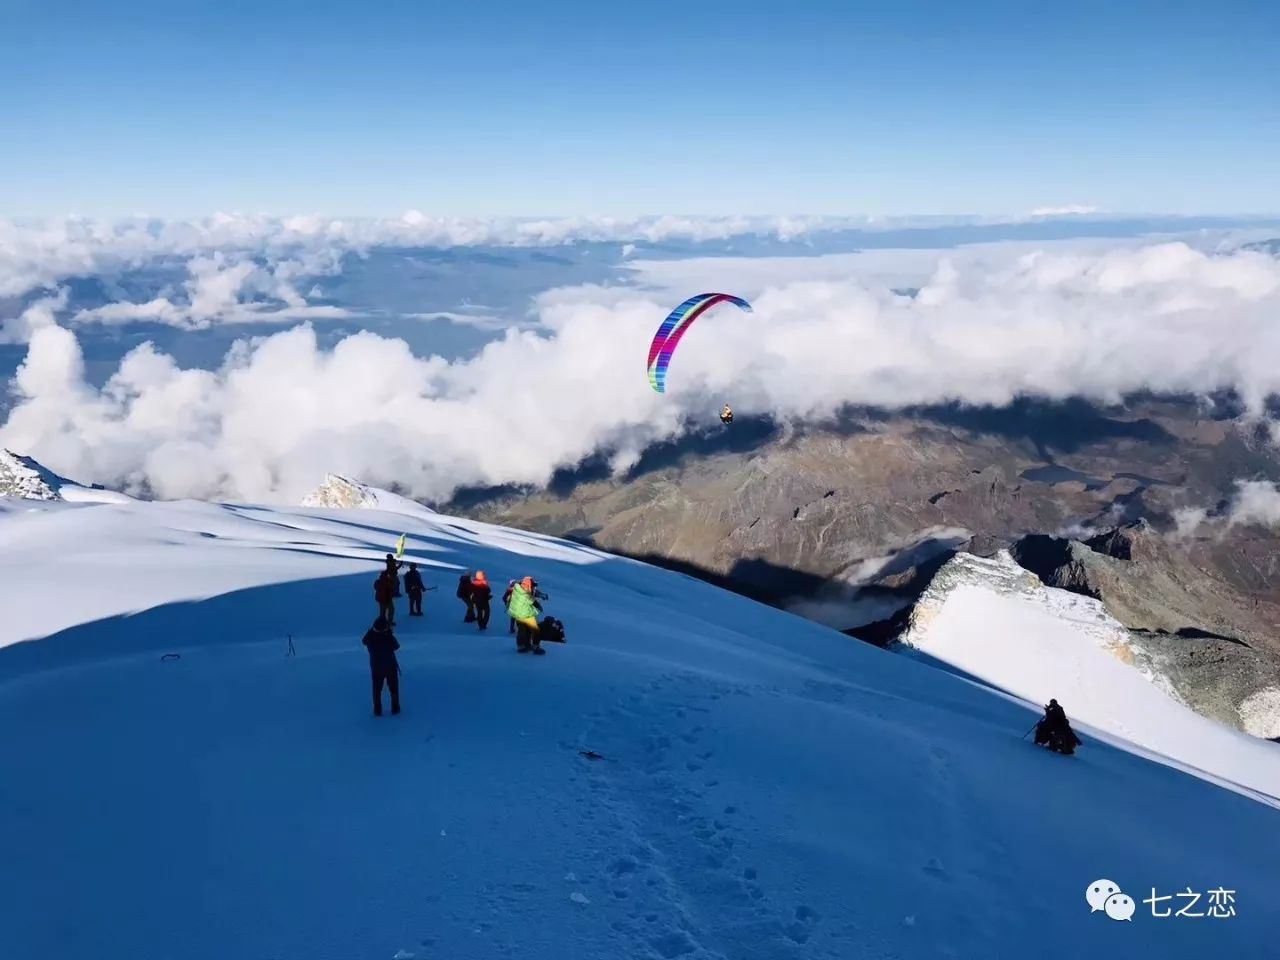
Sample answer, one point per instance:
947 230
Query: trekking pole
1033 726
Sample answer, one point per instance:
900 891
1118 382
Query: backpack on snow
551 630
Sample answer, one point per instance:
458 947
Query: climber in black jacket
383 666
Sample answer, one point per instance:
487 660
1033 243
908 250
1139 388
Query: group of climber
521 600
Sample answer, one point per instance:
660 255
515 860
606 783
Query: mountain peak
25 478
341 492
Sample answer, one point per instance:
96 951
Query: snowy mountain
24 478
196 773
342 493
997 623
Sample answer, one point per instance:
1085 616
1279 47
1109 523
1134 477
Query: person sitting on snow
1054 730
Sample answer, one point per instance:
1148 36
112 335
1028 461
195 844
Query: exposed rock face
1162 585
1210 640
789 513
341 493
1260 713
23 477
1227 681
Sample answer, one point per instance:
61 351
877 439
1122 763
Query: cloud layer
41 254
255 269
281 410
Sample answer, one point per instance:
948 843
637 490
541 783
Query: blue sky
483 108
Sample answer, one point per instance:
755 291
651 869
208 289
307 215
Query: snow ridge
995 622
1003 575
23 477
342 493
339 492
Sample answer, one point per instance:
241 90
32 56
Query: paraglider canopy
675 326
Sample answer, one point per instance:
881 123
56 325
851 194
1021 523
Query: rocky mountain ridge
25 478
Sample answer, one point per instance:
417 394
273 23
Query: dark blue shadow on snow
327 605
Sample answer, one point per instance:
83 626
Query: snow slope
771 789
994 621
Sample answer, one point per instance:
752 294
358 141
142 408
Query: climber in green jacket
523 608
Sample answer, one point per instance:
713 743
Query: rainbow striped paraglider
674 327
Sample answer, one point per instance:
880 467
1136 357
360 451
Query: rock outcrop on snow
342 493
23 477
338 492
1002 575
1205 636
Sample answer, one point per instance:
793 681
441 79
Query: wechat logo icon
1105 895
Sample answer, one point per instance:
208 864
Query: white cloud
1255 502
40 254
1069 210
1189 520
281 412
236 262
216 292
40 313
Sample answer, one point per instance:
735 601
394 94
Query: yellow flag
400 546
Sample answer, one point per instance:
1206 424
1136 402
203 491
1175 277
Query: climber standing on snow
464 594
414 587
523 608
384 593
506 602
383 666
393 572
481 596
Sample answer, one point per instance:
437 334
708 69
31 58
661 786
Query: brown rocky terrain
847 523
